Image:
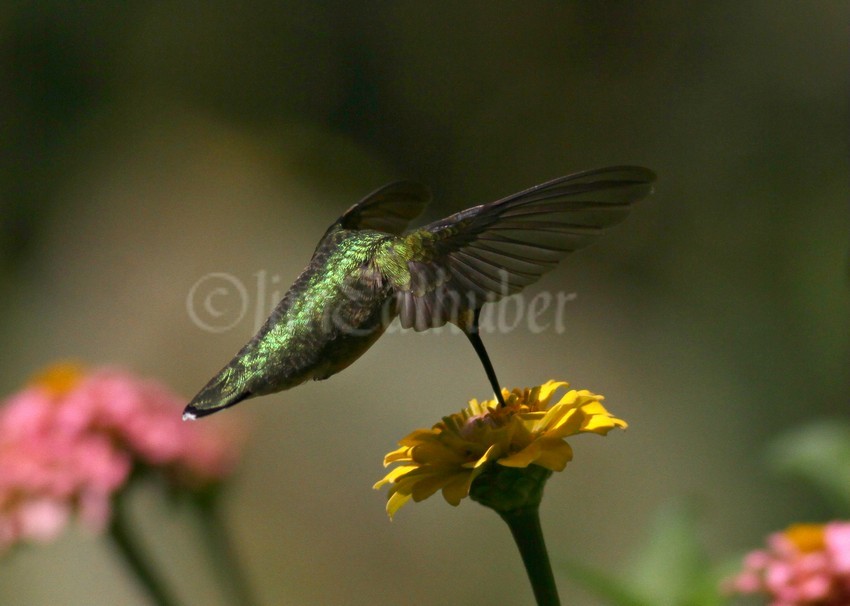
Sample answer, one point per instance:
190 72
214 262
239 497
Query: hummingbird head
221 392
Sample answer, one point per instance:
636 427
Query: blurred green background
147 145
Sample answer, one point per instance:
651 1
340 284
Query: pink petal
43 520
837 539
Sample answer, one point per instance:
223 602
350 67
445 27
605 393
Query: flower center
473 425
807 538
58 379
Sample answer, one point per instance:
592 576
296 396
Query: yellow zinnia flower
527 431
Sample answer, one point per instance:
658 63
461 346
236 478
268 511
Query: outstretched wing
493 250
388 209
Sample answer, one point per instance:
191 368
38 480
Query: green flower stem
515 494
221 548
119 531
528 535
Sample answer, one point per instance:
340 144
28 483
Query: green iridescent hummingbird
367 269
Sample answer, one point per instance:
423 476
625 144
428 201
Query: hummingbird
368 269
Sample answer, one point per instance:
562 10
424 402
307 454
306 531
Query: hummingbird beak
469 325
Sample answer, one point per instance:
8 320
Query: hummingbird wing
388 209
493 250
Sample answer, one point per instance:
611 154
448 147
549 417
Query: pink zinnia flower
69 440
805 565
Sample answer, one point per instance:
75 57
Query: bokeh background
147 145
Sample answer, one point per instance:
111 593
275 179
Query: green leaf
673 568
818 453
603 585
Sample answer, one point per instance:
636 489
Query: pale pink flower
42 519
805 565
69 441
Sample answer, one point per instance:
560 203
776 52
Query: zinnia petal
395 501
548 388
457 488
